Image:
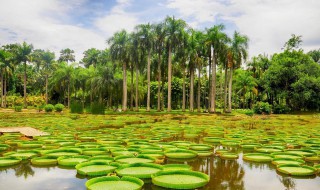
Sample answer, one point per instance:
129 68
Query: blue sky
83 24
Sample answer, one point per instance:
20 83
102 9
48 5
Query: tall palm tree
48 61
216 39
159 32
6 68
119 51
174 29
147 39
66 55
23 56
237 53
91 57
64 77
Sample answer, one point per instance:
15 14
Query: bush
280 109
18 108
76 107
40 107
249 112
97 108
49 108
59 107
262 108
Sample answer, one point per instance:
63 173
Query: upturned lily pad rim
93 173
62 160
134 180
280 168
44 161
136 165
251 157
12 161
204 179
167 167
175 153
229 156
300 161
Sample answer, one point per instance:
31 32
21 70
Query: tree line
165 66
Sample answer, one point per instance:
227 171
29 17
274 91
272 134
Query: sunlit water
224 175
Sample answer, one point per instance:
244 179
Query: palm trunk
225 88
230 91
213 85
148 78
169 79
162 94
137 88
210 81
199 89
131 90
183 88
124 88
191 89
159 82
46 89
1 78
25 86
221 85
69 94
5 92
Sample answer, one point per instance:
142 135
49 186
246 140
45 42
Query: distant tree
66 55
91 57
293 43
315 54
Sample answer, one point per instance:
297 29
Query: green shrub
249 112
49 108
280 109
59 107
18 108
76 107
262 108
97 108
40 108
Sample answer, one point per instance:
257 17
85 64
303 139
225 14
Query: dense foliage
164 65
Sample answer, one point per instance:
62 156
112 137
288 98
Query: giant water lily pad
114 183
296 170
181 154
72 160
44 161
180 179
257 157
132 159
277 161
93 168
9 161
139 170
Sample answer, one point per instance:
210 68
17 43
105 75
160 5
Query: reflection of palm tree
24 169
287 182
224 174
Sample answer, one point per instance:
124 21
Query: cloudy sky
83 24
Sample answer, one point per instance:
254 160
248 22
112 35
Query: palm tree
216 39
174 29
237 53
48 60
66 55
120 52
91 57
64 77
159 32
147 37
6 68
23 56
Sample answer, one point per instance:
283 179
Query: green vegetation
49 108
163 66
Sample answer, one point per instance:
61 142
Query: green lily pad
183 179
296 170
257 157
9 161
139 170
114 183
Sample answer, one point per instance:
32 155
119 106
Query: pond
158 135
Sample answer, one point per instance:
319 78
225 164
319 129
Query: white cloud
117 19
268 24
44 24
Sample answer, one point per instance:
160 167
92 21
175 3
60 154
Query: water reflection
24 169
288 182
224 174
